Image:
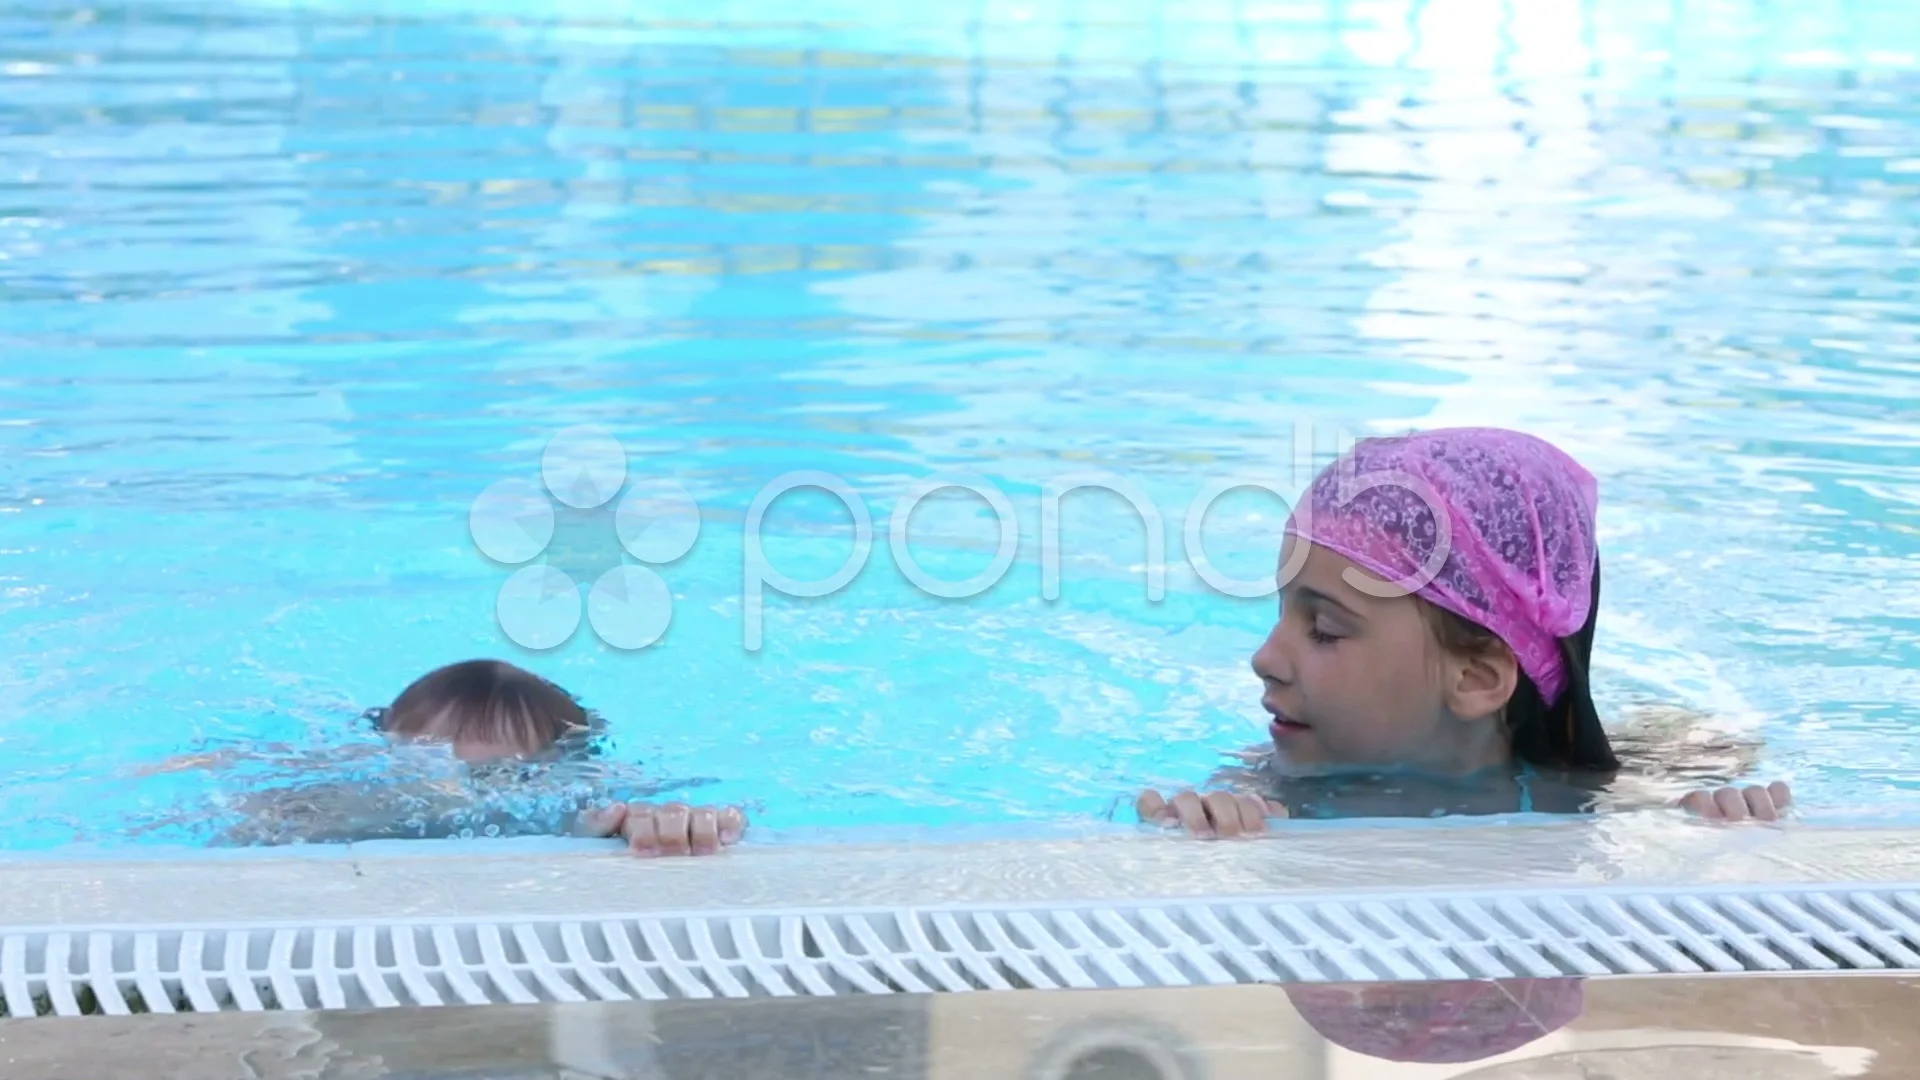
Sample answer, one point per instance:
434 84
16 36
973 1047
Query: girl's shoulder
1672 750
1665 753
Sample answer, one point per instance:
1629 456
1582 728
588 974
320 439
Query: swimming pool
288 286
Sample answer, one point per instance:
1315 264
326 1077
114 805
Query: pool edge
559 877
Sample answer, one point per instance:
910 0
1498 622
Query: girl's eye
1315 634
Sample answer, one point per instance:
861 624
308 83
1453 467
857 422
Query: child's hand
669 829
1216 814
1740 804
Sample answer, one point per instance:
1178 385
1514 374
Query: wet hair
1566 735
490 701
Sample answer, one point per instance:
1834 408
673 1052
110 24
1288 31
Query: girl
1438 596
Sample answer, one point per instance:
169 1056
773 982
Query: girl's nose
1269 660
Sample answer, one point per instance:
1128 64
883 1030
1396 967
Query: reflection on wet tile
1438 1022
1709 1028
885 1037
1219 1033
219 1046
1662 1063
880 1037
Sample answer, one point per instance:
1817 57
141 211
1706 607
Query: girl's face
1358 681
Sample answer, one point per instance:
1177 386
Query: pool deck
1752 1028
498 878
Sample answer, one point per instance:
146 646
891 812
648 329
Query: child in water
507 727
490 712
1438 595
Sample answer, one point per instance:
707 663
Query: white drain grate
1438 935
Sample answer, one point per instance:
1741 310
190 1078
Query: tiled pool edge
762 839
555 878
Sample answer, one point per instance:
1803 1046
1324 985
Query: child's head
487 710
1438 592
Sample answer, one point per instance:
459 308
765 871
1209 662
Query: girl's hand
1216 814
1751 803
668 829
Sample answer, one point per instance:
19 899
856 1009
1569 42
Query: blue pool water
285 286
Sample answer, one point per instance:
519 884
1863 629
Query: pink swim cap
1496 526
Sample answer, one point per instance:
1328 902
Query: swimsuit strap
1525 779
